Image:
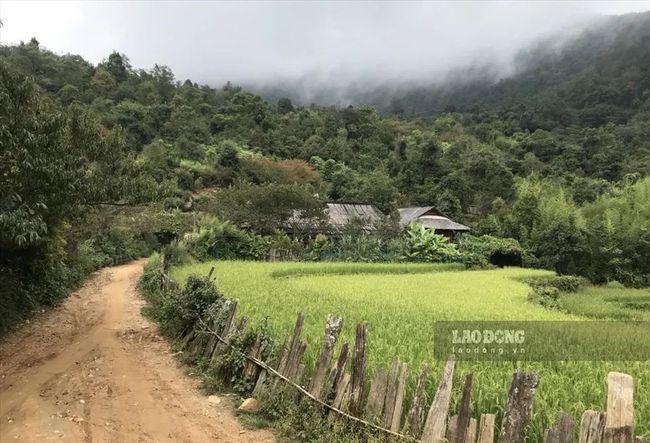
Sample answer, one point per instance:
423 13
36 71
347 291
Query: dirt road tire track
95 370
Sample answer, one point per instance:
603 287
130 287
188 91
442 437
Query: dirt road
95 370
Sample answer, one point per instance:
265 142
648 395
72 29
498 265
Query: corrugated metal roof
439 222
342 214
407 215
339 215
417 214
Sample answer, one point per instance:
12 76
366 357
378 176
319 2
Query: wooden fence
343 395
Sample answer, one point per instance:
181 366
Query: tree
285 106
563 246
118 65
103 82
228 157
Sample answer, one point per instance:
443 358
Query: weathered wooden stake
486 428
293 366
464 412
472 431
293 346
339 370
391 393
228 326
333 328
377 394
620 409
357 383
520 406
399 399
298 373
242 324
212 340
592 427
562 432
452 428
415 415
434 428
250 368
342 397
259 386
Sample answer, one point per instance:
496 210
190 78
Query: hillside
590 78
104 163
601 76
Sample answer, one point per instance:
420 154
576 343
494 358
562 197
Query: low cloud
301 43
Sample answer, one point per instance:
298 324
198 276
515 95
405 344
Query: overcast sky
212 42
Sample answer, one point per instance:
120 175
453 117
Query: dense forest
103 163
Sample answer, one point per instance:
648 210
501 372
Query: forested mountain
591 77
600 76
555 157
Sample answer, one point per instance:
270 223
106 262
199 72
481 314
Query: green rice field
401 302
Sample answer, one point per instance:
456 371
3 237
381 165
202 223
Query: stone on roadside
249 405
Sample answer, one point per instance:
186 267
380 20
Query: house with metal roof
431 218
338 217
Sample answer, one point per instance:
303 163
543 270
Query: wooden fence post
341 398
291 360
294 344
415 415
562 432
250 368
339 370
275 364
212 340
592 427
434 428
391 393
486 428
357 384
520 406
472 431
377 394
464 412
333 328
399 399
620 409
452 428
230 308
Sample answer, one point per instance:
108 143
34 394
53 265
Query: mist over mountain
566 74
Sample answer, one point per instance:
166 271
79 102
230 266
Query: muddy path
95 370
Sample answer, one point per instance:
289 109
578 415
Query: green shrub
317 247
563 283
424 245
477 251
176 253
223 240
567 283
179 309
357 248
152 274
283 247
113 247
173 203
547 296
